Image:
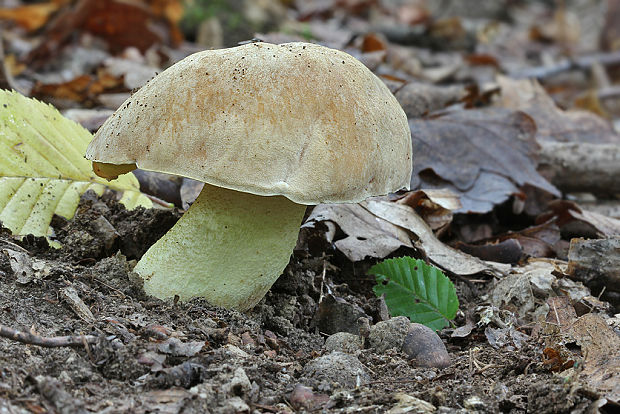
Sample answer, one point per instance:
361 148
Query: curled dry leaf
435 206
440 254
535 241
483 155
367 235
599 346
571 218
552 123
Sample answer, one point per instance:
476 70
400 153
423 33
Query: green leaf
42 167
416 290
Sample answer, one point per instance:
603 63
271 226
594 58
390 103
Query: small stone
344 342
105 231
304 397
239 385
246 339
236 405
408 404
474 403
426 347
339 367
389 334
337 315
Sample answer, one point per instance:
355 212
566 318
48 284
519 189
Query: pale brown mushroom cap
300 120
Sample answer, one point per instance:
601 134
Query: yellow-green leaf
42 167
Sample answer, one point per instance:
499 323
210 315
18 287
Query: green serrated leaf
416 290
42 167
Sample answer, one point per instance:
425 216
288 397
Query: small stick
47 342
577 63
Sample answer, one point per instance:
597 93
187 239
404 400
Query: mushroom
269 129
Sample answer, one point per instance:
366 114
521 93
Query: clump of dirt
165 356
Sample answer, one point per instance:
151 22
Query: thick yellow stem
229 248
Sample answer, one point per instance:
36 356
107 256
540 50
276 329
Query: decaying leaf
120 23
552 123
31 16
442 255
535 241
572 219
42 167
435 206
483 155
599 356
367 235
83 89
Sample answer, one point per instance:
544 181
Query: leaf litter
511 351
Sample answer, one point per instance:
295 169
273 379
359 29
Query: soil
165 356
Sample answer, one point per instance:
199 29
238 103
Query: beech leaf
483 155
416 290
42 167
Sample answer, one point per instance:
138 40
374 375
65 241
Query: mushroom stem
229 248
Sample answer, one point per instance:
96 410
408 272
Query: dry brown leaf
367 235
442 255
573 219
83 89
483 155
435 206
553 124
31 16
122 24
536 241
600 346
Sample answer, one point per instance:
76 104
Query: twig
47 342
581 166
579 63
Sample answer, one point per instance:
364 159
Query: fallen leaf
367 235
508 337
535 241
483 155
552 123
373 42
42 167
122 24
600 346
506 251
601 349
573 219
514 293
31 16
83 89
440 254
435 206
